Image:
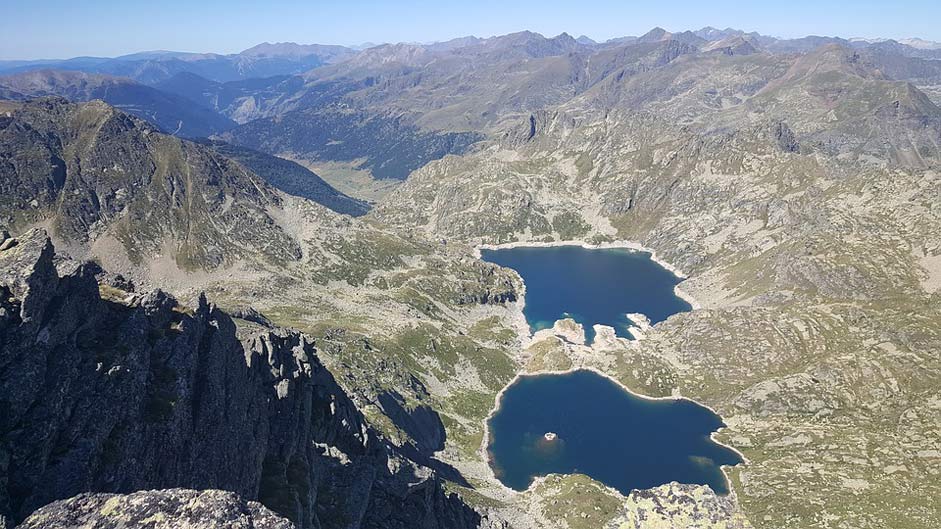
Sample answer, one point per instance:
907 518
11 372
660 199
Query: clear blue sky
31 29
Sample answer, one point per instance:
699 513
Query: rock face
159 509
103 390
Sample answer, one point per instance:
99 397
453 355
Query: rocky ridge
106 390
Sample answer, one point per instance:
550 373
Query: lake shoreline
673 398
624 245
526 335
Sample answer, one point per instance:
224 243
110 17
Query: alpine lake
581 421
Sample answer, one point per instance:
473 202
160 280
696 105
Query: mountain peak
828 58
921 44
401 53
655 35
659 34
732 45
711 33
279 49
531 44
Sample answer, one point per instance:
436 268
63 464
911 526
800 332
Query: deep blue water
591 286
619 439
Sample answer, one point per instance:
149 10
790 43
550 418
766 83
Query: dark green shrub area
292 178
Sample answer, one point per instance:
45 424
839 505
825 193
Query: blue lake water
605 432
592 286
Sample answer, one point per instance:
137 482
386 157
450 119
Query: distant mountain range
263 60
287 58
389 109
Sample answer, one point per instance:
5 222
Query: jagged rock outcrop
158 509
540 122
733 45
103 390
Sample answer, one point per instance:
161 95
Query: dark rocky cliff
105 390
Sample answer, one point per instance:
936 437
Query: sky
34 29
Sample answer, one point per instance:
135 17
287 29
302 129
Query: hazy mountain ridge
263 60
173 114
237 100
269 59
